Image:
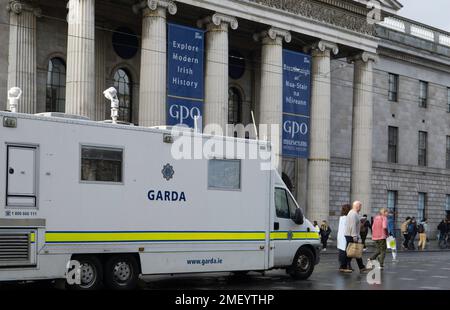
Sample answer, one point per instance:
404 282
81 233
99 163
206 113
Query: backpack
411 228
421 229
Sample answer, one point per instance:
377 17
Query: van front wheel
303 264
121 272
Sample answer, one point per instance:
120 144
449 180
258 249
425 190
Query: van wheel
303 264
121 272
91 273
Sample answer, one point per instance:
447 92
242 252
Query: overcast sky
435 13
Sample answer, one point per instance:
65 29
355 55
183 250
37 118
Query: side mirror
298 217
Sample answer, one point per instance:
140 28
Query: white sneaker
324 250
365 250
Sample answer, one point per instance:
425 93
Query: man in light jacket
352 230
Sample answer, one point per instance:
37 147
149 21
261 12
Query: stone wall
4 47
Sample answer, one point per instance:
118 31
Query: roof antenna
13 98
111 95
254 125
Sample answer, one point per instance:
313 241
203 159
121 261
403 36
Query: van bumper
317 251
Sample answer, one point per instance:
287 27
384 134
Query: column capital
273 34
20 6
218 20
322 46
364 57
154 5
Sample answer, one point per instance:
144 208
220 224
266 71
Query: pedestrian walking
379 235
365 226
325 232
422 229
443 233
352 231
391 233
412 234
316 226
344 267
404 230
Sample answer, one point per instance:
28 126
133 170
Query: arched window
123 84
234 106
56 86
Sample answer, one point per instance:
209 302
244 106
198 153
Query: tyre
121 272
303 264
91 273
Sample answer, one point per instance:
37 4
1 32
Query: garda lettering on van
166 196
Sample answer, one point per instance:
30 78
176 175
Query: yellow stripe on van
296 235
86 237
32 237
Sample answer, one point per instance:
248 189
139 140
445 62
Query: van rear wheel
303 264
91 273
121 272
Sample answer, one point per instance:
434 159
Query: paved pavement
414 271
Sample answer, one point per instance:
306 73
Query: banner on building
296 104
185 75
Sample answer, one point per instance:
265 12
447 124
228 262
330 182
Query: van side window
99 164
281 204
224 174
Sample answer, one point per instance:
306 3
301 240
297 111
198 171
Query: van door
21 176
283 241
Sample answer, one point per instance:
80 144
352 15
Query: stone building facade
365 84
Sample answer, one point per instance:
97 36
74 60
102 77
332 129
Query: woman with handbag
352 231
344 267
379 235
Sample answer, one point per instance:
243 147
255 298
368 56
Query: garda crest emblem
168 172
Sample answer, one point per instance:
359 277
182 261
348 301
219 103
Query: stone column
22 53
100 76
362 129
80 79
319 159
271 88
216 76
153 77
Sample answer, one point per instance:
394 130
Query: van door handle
276 226
11 171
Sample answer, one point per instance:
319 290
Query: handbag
391 243
355 250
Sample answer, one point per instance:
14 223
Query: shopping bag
355 250
391 243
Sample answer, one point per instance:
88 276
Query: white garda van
113 199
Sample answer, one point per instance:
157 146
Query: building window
224 174
123 84
393 87
56 86
423 96
422 206
448 153
392 201
447 203
100 164
234 106
423 137
393 145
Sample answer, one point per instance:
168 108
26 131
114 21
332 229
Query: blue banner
185 75
296 104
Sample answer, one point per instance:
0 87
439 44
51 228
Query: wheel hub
88 274
303 262
122 272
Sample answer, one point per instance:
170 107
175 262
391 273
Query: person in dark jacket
412 234
364 230
325 232
443 233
